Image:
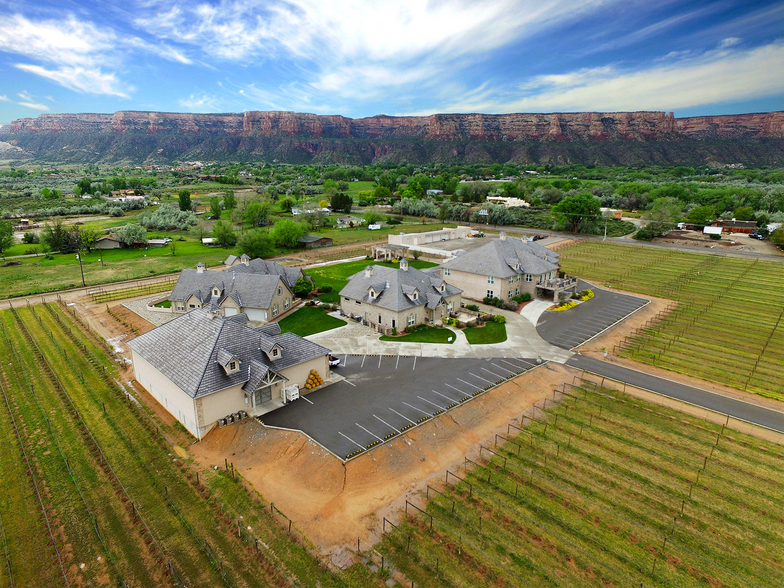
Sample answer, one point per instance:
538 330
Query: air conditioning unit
291 393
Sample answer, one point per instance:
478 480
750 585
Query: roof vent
404 264
368 271
502 236
200 268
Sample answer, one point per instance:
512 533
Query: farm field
93 494
727 327
601 489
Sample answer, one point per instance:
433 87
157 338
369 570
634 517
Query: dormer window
416 296
443 287
232 366
275 352
215 292
372 293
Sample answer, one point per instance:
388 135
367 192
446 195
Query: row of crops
91 493
602 490
727 327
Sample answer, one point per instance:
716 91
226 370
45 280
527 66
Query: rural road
738 409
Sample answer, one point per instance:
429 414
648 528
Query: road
738 409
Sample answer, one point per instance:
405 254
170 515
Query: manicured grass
595 491
490 333
309 320
727 326
425 335
337 275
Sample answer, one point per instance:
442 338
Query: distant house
314 241
347 221
735 226
387 298
108 242
262 297
712 230
444 234
244 263
508 201
158 242
507 268
202 367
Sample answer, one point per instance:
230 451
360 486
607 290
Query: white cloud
715 77
5 99
80 79
729 42
201 103
34 105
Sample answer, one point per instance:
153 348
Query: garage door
229 311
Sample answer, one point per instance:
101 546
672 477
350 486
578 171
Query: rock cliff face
589 137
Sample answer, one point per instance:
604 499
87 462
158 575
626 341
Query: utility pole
81 269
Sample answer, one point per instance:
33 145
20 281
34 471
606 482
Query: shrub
499 319
486 300
498 303
510 305
325 288
473 307
715 236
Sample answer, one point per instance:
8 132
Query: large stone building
506 268
389 298
202 367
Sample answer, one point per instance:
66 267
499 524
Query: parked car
334 361
756 236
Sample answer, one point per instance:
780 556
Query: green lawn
426 335
490 333
309 320
337 275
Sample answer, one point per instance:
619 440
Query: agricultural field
601 489
93 493
727 327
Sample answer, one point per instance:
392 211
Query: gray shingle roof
290 275
398 294
248 290
499 258
187 350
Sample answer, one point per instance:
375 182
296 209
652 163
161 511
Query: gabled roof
290 275
188 350
394 288
248 290
499 258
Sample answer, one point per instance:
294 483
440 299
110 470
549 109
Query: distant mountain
624 138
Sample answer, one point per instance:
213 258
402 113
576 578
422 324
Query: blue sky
359 58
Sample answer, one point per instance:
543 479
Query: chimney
404 264
200 268
368 271
502 236
245 259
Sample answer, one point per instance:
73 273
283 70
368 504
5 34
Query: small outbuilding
314 241
108 242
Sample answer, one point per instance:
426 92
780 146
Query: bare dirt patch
728 242
334 503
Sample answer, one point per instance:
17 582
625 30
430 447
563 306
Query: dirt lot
334 503
733 242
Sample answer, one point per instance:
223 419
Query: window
275 352
529 278
232 366
180 306
510 294
191 306
517 291
278 291
346 299
358 302
215 292
447 271
275 310
450 306
511 279
286 303
411 320
416 295
518 277
490 294
443 287
490 280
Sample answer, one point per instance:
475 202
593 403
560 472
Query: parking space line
415 408
387 424
433 403
305 399
525 366
480 378
349 383
413 368
501 368
345 359
363 361
379 359
489 372
350 439
366 431
397 360
402 415
444 396
453 388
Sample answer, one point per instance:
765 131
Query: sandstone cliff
589 137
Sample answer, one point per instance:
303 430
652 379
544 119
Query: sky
360 58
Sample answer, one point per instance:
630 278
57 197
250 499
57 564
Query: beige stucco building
202 367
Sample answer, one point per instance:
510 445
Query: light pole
81 269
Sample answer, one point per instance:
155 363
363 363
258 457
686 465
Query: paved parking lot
384 395
570 328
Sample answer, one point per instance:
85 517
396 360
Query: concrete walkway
522 341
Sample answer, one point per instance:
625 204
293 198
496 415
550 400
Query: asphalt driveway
570 328
384 395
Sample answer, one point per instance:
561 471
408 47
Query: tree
381 193
224 234
573 210
255 243
700 215
744 213
303 287
777 237
286 232
83 187
372 217
286 204
341 202
215 207
185 200
388 180
53 234
6 235
662 215
173 248
89 237
257 213
131 234
229 200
